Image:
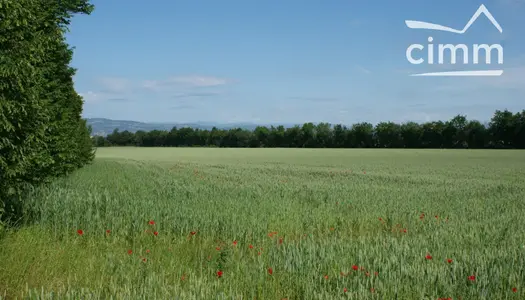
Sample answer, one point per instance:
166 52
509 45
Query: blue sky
288 61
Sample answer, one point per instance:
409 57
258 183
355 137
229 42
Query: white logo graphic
453 48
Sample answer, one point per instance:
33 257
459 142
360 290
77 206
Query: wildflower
270 271
151 222
343 274
235 243
219 273
367 274
429 257
514 290
449 260
183 277
472 278
259 253
108 231
326 277
280 240
144 259
381 219
332 229
422 216
355 268
80 232
372 290
250 246
193 233
218 248
405 230
130 251
345 290
148 251
376 273
436 216
156 233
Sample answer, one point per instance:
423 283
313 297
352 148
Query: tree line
505 130
42 134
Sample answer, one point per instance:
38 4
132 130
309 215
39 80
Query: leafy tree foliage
42 134
506 130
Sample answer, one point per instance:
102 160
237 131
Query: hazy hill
103 126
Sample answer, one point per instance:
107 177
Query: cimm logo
465 49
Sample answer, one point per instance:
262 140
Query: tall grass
385 212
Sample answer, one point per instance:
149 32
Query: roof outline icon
431 26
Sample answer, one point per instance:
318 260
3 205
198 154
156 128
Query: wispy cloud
185 81
118 100
196 94
363 70
182 107
315 99
115 84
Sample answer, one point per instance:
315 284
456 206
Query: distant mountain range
104 127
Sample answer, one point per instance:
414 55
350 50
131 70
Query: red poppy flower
156 233
280 240
130 251
251 246
80 232
219 273
151 222
381 219
355 268
362 268
183 277
144 259
235 243
449 260
343 274
376 273
332 229
259 253
422 216
405 230
437 217
472 278
429 257
218 248
148 251
193 233
367 274
108 231
326 277
270 271
514 290
345 290
372 290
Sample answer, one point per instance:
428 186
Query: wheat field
203 223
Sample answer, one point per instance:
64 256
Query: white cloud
115 84
184 81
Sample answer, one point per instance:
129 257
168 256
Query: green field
383 211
